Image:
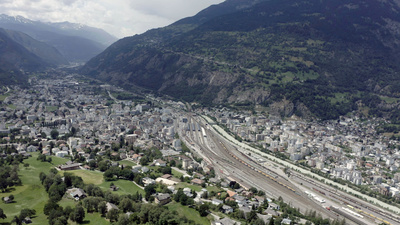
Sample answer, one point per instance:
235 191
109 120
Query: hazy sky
119 17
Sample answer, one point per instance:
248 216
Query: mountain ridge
324 57
14 59
68 38
46 52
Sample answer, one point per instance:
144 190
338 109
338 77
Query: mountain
83 31
68 38
44 51
311 58
15 58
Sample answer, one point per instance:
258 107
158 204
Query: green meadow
31 194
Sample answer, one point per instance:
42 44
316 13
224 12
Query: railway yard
250 170
230 163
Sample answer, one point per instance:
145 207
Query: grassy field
51 108
3 97
127 163
31 194
90 218
189 213
176 174
389 100
12 106
214 189
185 185
89 176
125 187
96 178
67 202
95 219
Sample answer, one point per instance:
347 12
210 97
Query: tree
56 191
253 190
22 215
271 221
144 161
251 216
67 211
68 179
166 170
78 214
109 175
258 221
205 195
149 189
112 215
62 220
123 219
103 166
50 205
41 158
127 174
203 210
2 215
54 134
16 220
43 135
73 131
57 217
3 184
26 213
125 205
102 208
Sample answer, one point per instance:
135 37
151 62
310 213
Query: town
156 141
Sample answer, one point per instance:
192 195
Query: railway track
258 171
246 170
355 204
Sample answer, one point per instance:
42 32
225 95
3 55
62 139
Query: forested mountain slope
313 58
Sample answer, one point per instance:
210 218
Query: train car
347 215
193 127
203 132
198 127
319 200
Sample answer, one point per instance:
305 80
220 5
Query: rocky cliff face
319 56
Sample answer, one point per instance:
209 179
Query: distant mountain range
47 53
311 58
15 58
77 43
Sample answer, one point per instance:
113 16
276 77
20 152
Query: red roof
231 193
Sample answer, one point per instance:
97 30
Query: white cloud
119 17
